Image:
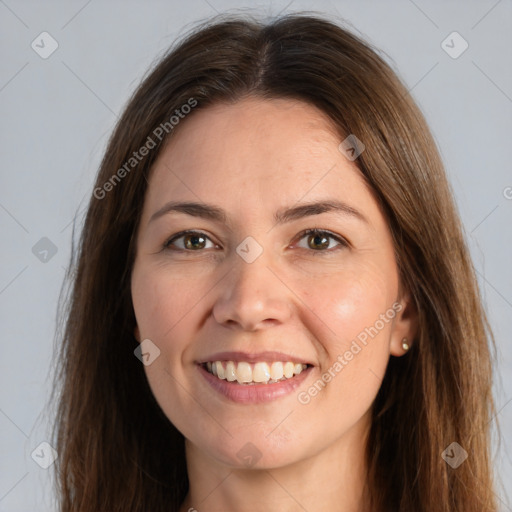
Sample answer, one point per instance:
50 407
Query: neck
333 479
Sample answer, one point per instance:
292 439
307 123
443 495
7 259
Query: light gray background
57 113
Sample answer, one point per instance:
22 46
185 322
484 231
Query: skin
251 159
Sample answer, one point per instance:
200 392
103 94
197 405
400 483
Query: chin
250 450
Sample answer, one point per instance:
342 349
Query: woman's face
250 292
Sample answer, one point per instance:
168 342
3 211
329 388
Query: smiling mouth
254 373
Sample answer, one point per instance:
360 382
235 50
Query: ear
136 333
405 325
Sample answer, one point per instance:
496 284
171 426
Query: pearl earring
404 344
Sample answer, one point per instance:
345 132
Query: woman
273 307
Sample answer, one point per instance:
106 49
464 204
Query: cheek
352 300
167 308
162 302
354 318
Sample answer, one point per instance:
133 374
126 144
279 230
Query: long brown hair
117 450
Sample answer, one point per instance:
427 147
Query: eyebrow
282 216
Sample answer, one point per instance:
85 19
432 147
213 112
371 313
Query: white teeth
221 373
261 372
230 371
243 373
276 371
288 370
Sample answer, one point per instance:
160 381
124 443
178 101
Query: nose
252 297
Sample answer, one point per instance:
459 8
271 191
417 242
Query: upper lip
268 356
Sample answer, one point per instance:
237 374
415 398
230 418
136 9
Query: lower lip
254 393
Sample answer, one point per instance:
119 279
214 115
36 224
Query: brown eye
318 241
194 241
321 241
189 241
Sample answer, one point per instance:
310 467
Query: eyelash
312 231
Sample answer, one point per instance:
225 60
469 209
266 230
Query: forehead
257 150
